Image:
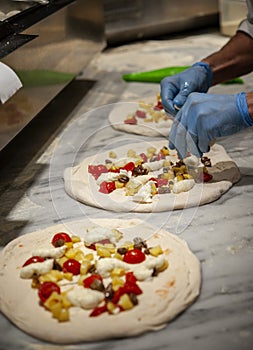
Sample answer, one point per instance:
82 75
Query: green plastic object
155 76
32 78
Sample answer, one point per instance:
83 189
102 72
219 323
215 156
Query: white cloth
247 24
9 82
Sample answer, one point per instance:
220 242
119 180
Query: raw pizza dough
123 109
80 185
164 296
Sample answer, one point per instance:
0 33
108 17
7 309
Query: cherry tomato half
72 265
60 238
33 259
107 187
88 282
46 289
134 256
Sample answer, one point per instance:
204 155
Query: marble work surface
220 233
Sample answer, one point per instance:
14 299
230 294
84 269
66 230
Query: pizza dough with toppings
144 117
163 297
82 186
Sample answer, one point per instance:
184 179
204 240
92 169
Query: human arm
232 60
206 117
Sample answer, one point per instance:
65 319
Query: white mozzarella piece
54 253
183 186
85 298
39 268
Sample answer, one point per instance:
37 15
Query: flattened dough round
80 185
164 296
123 109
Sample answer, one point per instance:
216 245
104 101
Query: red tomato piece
205 177
130 277
140 114
158 105
159 182
97 170
60 236
107 187
46 289
102 241
87 282
129 166
72 265
98 310
134 256
129 288
33 259
144 157
132 121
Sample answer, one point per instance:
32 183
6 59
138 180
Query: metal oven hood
47 45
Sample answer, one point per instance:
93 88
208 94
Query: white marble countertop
220 233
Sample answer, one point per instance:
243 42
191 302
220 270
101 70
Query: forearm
232 60
249 98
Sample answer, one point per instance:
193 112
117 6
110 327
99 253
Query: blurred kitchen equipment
47 45
127 20
232 12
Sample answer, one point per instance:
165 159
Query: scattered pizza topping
152 173
101 276
148 112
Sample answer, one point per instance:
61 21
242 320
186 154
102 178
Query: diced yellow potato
117 272
117 282
53 301
155 251
165 151
164 266
112 154
68 244
131 153
110 247
80 256
84 268
65 301
89 256
119 184
64 315
153 189
187 176
180 177
151 150
80 280
118 256
68 276
125 302
62 260
102 251
75 239
110 307
72 252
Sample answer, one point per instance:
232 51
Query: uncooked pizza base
122 109
80 185
163 297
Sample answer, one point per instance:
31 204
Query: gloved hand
205 117
175 89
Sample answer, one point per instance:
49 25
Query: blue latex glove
205 117
175 89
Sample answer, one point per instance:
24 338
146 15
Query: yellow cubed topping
84 268
117 272
164 266
102 251
131 153
155 251
125 302
112 154
68 244
75 239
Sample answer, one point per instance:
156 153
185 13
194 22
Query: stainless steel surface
135 19
64 42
